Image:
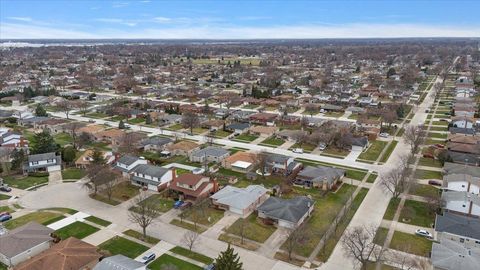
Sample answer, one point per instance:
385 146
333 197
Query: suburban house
360 143
263 131
152 177
70 253
449 254
191 186
12 139
322 177
49 162
286 213
183 148
156 143
462 122
119 262
462 229
462 203
24 242
110 135
238 128
127 163
276 163
241 201
452 168
267 119
462 182
241 162
86 158
209 154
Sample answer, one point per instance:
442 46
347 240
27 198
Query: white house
127 163
462 202
462 182
153 177
240 201
49 162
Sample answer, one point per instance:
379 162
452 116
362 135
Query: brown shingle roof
69 254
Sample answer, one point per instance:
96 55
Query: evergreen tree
43 142
148 119
68 154
228 260
97 157
40 111
18 158
121 125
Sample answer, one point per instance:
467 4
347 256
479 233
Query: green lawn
96 115
77 229
373 152
197 131
125 191
417 213
424 174
245 137
429 162
192 255
63 139
208 216
4 197
166 260
391 209
425 190
98 221
221 133
326 208
73 173
411 243
164 204
371 178
380 236
437 135
25 182
356 175
335 152
175 127
272 141
120 245
40 217
62 209
135 121
307 148
253 229
440 123
187 225
389 151
139 235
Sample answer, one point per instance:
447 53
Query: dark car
5 218
177 204
185 205
5 188
434 183
4 214
209 267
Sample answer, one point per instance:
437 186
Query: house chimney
174 173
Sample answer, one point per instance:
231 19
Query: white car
322 146
198 170
298 150
424 233
150 256
383 135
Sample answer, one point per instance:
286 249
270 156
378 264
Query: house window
463 185
35 163
477 242
464 205
462 240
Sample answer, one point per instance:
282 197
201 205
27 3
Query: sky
237 19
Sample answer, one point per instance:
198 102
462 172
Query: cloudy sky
242 19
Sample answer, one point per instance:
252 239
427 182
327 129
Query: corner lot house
193 186
241 201
286 213
322 177
49 162
24 242
153 177
126 163
209 154
69 254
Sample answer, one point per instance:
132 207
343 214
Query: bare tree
395 181
65 106
190 239
190 120
82 105
262 159
295 238
109 183
143 212
359 246
414 136
97 175
311 109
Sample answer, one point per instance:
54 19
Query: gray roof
277 158
24 238
40 157
459 225
239 198
453 255
360 141
241 126
463 157
286 209
320 173
127 160
151 170
211 151
118 262
454 168
159 141
448 196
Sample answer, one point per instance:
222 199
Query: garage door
54 168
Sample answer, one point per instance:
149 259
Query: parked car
185 205
4 214
298 150
198 170
177 204
322 146
434 183
209 267
150 256
91 121
439 145
5 218
383 135
423 233
5 188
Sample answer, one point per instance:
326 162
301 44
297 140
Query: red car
434 183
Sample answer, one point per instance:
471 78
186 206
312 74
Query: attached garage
54 168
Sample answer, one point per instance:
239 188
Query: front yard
272 141
77 229
425 174
253 229
120 245
417 213
245 137
411 244
73 173
167 261
42 217
373 152
164 204
121 192
24 182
